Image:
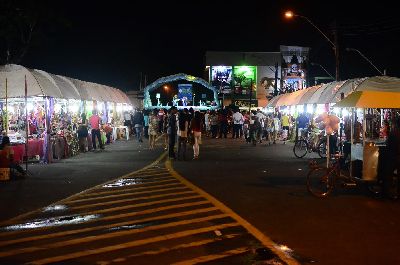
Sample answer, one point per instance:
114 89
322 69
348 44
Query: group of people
180 127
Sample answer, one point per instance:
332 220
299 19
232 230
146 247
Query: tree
22 24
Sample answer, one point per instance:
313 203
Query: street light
290 15
365 57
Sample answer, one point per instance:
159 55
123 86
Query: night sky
112 42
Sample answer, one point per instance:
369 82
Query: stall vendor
7 158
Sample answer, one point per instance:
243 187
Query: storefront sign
246 103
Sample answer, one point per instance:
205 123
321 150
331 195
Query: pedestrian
183 127
392 160
128 121
95 122
196 130
172 132
82 137
146 123
138 121
153 129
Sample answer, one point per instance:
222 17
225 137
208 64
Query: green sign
244 78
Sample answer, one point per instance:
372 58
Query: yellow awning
371 99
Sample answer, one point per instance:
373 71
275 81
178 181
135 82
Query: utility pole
336 49
276 80
251 92
140 82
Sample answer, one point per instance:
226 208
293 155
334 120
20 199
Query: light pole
335 46
365 57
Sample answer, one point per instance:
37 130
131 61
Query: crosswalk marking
109 226
213 257
152 207
131 214
128 207
129 200
165 249
128 194
132 244
141 187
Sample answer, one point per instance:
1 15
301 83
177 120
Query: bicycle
306 145
321 180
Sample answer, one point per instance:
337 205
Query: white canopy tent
41 83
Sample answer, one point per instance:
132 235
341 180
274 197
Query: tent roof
371 99
380 83
41 83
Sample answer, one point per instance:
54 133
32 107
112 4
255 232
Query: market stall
55 106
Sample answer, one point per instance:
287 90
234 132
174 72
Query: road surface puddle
289 252
55 208
55 221
123 182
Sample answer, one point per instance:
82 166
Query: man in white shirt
237 124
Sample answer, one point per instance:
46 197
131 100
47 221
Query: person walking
95 122
196 129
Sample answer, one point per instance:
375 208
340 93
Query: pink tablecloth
35 147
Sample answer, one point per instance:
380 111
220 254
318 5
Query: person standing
183 127
196 129
146 123
128 121
138 121
95 122
285 127
237 124
207 122
153 129
171 132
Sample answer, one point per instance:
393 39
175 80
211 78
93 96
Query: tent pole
6 116
26 125
351 140
364 127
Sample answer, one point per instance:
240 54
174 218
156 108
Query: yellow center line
128 194
213 257
111 235
249 227
89 252
130 200
108 226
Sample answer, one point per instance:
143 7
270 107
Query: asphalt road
264 185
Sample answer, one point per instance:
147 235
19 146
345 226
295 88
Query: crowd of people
187 126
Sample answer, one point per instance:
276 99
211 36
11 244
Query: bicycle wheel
300 148
320 181
322 149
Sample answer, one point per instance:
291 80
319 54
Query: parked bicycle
322 180
306 144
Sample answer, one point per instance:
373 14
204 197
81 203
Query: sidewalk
52 182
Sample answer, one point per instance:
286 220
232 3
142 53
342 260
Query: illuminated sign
245 77
221 78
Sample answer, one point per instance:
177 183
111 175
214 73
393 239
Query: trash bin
370 162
